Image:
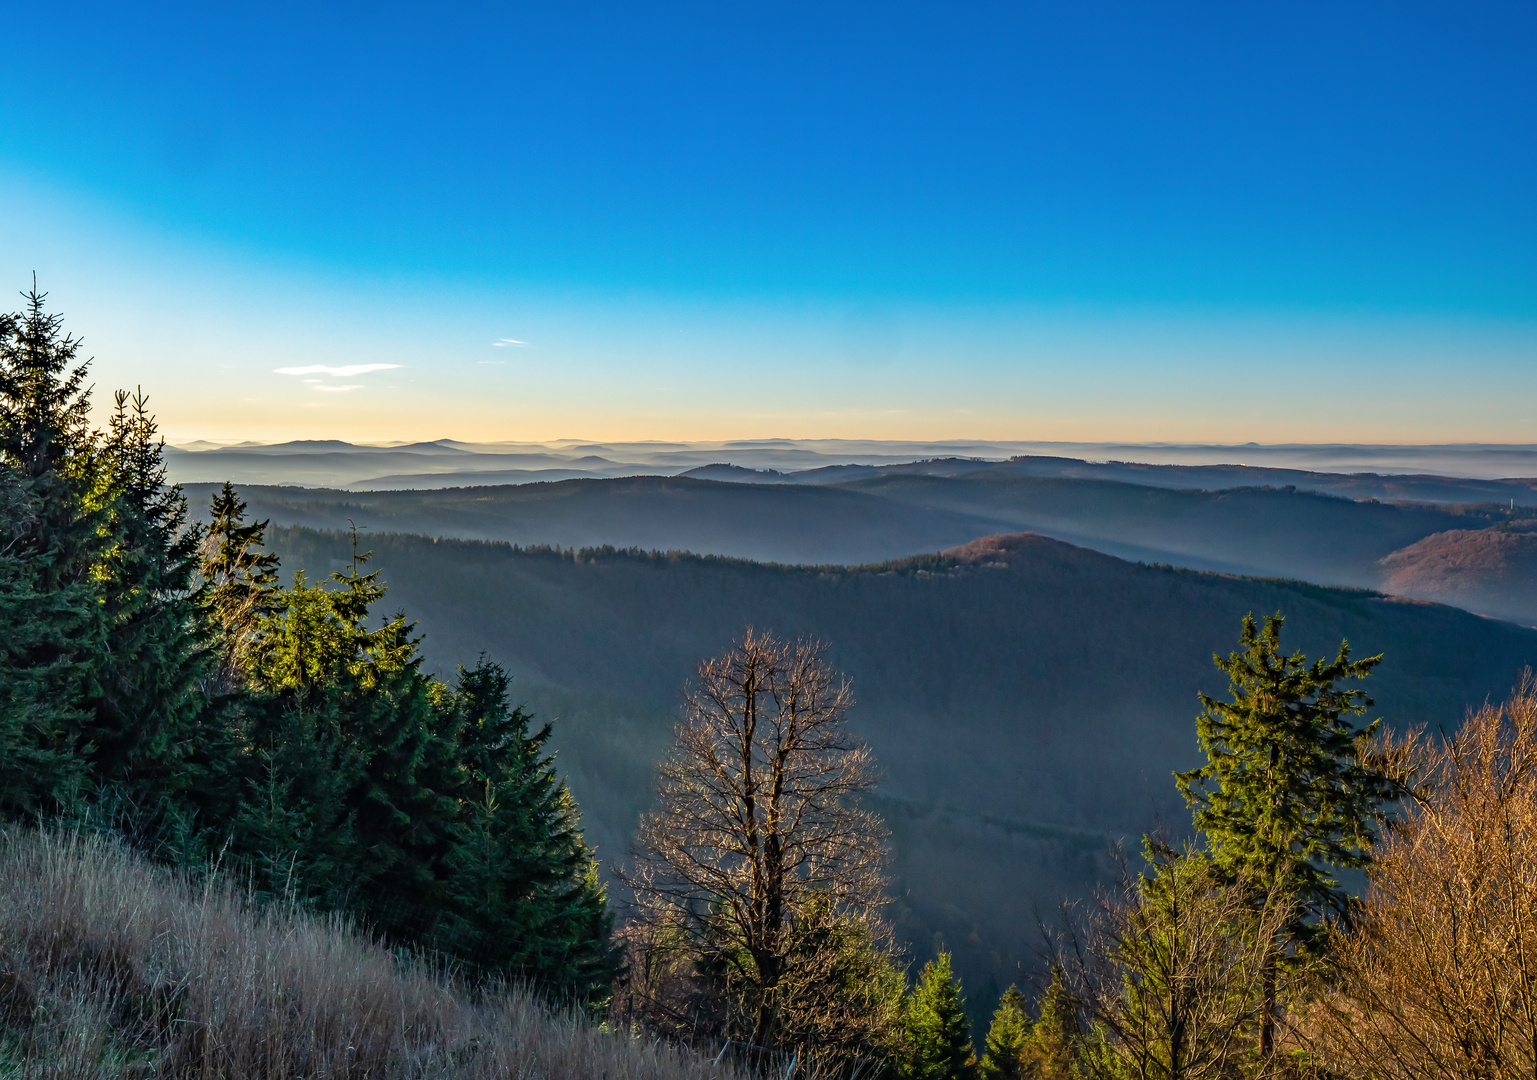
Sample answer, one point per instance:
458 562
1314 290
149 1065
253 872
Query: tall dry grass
112 967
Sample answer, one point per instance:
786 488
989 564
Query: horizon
1288 224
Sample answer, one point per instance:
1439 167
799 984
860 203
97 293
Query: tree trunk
1267 1011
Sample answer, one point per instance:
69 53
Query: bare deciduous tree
757 826
1439 977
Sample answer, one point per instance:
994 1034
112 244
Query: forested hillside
1027 700
876 515
769 524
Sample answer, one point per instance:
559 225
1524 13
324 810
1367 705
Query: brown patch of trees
1439 976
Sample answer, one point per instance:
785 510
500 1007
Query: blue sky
1283 222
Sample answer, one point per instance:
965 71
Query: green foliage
45 668
1052 1050
50 544
1006 1051
1285 794
524 891
1043 1049
938 1033
160 682
239 581
154 656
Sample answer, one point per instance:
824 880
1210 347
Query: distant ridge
1423 474
735 474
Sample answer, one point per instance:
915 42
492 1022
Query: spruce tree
343 730
240 583
54 538
1285 796
1008 1038
149 713
43 673
938 1033
526 896
1052 1048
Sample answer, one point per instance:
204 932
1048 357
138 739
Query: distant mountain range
449 463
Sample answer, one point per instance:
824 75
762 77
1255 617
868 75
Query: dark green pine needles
938 1033
1287 794
155 678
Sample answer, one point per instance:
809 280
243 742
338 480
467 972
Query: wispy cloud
509 343
340 389
346 371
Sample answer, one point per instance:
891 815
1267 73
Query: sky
1284 222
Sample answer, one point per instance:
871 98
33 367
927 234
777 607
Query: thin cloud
509 343
344 372
340 389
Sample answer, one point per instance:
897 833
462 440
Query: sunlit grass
112 967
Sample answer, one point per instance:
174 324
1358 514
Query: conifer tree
1286 796
1008 1039
526 896
1052 1047
43 674
240 582
344 727
53 538
148 713
938 1033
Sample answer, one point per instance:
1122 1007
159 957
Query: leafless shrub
111 967
1439 976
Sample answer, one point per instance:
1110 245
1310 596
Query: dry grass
111 967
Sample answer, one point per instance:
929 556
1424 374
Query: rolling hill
1492 571
877 515
1027 699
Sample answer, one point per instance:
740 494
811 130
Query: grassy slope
112 968
1027 704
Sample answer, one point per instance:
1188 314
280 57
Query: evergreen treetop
938 1033
1053 1045
1285 794
1008 1039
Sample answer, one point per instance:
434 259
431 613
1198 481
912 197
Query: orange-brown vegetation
1439 976
1491 571
112 968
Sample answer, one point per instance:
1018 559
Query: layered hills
1424 473
872 515
1027 699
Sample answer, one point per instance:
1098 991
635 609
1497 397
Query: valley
1027 700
